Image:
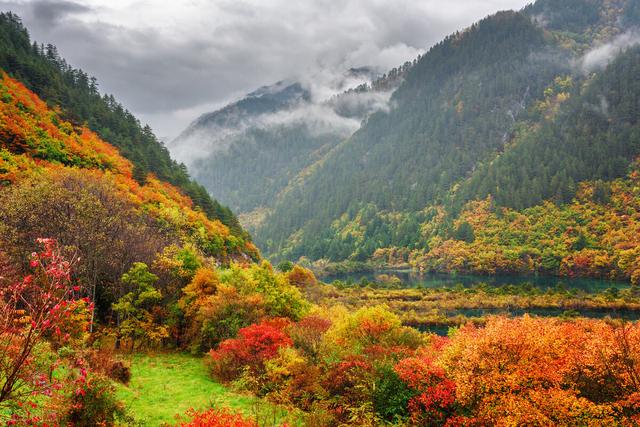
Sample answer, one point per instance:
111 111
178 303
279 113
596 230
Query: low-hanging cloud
601 56
340 116
170 61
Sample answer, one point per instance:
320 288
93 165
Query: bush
254 346
92 403
350 384
301 277
289 379
219 317
120 371
284 266
103 361
217 418
307 335
434 392
391 395
280 298
369 328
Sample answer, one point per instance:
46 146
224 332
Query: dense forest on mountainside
253 150
455 108
508 108
592 135
260 170
43 71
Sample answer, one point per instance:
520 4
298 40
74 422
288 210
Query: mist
601 56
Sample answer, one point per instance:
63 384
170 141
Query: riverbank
437 308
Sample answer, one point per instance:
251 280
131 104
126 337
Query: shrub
368 328
103 361
254 346
219 317
280 298
284 266
391 395
216 418
119 371
289 379
92 402
350 383
307 335
301 278
31 310
435 393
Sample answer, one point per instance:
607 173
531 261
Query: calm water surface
413 279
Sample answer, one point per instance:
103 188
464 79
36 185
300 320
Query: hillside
456 108
63 181
522 107
47 74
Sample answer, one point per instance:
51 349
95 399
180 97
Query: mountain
455 108
520 110
49 76
252 150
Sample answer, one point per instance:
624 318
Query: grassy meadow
166 385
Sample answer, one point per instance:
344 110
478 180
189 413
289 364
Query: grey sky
169 61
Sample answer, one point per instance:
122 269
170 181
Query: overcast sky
170 61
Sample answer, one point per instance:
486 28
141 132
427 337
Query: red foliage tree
31 309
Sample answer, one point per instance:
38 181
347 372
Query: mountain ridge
465 124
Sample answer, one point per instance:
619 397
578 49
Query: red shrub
436 392
39 305
350 383
255 345
217 418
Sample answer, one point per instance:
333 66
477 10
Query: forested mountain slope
521 107
456 107
251 151
109 203
44 72
62 181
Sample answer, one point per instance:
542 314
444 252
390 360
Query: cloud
162 59
318 118
51 12
601 56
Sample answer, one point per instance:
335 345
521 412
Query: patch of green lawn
166 384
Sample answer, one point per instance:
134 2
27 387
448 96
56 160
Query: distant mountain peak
278 88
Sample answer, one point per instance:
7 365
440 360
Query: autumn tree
89 218
31 309
135 310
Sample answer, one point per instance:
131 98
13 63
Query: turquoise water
413 279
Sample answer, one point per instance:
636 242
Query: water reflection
413 279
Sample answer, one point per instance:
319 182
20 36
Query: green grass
163 385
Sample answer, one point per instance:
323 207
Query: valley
453 241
